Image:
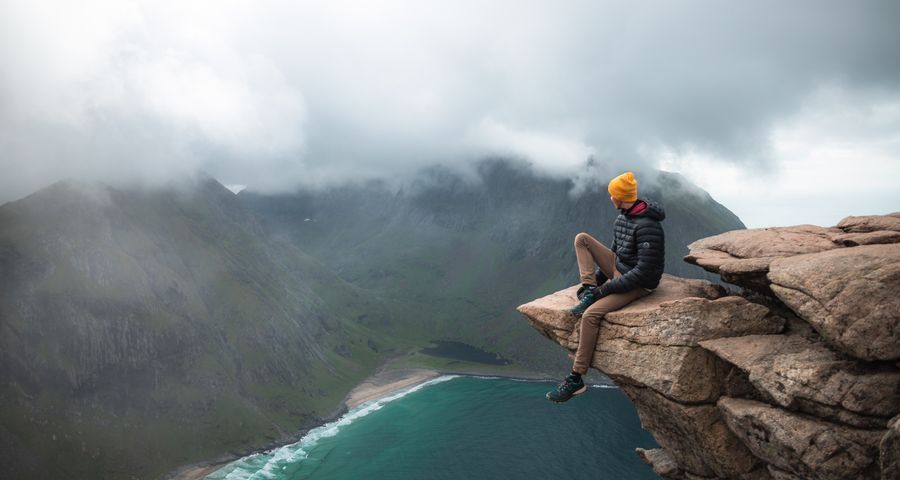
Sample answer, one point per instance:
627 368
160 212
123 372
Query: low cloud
276 95
837 156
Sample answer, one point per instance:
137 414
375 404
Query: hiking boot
588 297
570 387
580 291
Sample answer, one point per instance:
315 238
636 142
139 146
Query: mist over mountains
276 95
143 329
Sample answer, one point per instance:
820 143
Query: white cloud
236 188
550 152
124 91
838 156
277 94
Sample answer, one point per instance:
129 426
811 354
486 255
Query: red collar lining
637 208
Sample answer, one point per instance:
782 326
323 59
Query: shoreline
382 383
199 470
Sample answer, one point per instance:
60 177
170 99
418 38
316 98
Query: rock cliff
794 376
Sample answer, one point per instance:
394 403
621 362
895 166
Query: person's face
615 202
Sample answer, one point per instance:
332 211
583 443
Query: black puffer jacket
640 247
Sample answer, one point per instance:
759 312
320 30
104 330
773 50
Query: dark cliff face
140 330
462 251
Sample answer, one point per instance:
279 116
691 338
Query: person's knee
581 237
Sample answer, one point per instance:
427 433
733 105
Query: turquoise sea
466 427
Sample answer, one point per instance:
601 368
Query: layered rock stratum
793 375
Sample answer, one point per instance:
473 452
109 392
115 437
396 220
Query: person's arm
649 240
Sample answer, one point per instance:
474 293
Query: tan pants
589 253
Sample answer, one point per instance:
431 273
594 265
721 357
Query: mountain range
464 252
146 328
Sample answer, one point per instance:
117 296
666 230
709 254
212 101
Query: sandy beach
380 384
384 383
197 473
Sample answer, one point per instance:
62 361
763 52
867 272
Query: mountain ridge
147 328
172 313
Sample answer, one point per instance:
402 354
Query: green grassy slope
143 330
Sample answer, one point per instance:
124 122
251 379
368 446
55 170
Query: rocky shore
794 375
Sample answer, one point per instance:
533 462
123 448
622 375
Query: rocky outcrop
805 446
694 434
660 461
890 451
797 373
743 257
849 296
801 382
661 329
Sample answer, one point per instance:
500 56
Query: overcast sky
786 112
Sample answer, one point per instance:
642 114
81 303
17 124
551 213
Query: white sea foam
604 385
238 473
248 467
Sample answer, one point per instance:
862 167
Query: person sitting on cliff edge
628 271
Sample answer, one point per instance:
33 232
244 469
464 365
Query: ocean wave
252 467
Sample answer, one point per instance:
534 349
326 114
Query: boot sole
576 392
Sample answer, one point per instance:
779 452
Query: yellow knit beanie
624 187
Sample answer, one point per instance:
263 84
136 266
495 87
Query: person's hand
602 291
